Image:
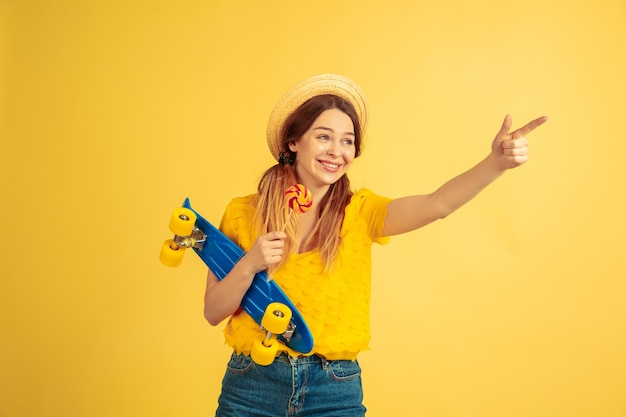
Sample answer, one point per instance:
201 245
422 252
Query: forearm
464 187
222 298
412 212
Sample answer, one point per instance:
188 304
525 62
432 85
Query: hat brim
311 87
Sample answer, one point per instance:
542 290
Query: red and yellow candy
299 198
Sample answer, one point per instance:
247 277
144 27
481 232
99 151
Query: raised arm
508 150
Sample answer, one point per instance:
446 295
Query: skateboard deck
220 254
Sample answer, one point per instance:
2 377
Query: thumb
506 126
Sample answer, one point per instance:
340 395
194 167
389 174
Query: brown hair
271 211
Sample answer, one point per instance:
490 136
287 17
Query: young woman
322 259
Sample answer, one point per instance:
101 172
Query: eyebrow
331 130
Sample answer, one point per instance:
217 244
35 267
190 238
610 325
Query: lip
329 165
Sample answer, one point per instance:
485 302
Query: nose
333 148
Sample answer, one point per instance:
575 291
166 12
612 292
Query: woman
322 258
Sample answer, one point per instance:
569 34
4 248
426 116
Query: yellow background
114 111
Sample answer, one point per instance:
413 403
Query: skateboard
264 301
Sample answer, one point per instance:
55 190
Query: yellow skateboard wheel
276 318
264 355
182 221
171 253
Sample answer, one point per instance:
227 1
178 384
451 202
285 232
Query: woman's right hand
266 251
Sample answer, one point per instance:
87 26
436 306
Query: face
325 151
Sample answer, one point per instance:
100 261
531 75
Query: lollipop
299 198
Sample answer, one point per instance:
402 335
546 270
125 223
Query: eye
323 137
348 142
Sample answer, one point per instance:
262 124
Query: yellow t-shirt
335 304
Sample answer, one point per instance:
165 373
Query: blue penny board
221 254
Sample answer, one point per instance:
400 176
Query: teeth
329 165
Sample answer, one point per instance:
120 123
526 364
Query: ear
292 146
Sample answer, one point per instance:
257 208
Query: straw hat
307 89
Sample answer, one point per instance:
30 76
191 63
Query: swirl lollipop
299 198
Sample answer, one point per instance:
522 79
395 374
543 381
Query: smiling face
325 151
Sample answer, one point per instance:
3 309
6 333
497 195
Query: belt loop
324 363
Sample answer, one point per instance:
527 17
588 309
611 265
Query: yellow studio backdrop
114 111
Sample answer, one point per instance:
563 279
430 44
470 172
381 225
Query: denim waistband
315 358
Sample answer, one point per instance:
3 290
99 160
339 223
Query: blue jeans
291 387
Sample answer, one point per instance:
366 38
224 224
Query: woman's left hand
511 148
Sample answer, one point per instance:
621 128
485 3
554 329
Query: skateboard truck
276 321
291 329
196 240
186 235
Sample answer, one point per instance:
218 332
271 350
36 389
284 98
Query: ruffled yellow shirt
334 304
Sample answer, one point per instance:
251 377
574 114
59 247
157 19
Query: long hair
271 211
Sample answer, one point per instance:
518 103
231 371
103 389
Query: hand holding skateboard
264 301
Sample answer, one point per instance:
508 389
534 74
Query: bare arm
508 150
222 298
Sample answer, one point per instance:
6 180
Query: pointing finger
529 127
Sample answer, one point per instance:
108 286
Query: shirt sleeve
226 225
372 208
237 222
